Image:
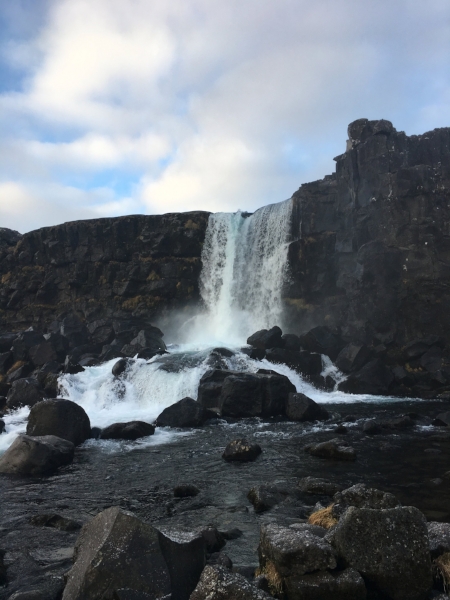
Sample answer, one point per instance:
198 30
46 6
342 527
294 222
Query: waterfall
244 262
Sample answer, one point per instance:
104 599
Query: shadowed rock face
372 254
138 266
371 251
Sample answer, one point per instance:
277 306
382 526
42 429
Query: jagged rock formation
373 249
136 266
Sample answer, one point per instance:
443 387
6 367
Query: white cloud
198 102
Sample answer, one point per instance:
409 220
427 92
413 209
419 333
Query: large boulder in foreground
116 550
36 456
293 552
131 431
218 583
389 548
59 417
24 392
184 413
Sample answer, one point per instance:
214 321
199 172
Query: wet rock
185 555
24 342
218 583
2 426
340 585
374 378
221 559
186 490
265 339
224 352
251 395
148 353
301 408
266 496
184 413
442 420
131 431
120 367
36 455
210 387
323 341
363 497
388 547
59 417
116 550
291 342
372 427
214 540
6 362
241 451
19 370
352 358
42 353
313 485
333 450
304 362
293 552
24 392
400 422
439 538
55 521
231 534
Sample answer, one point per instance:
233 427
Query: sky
114 107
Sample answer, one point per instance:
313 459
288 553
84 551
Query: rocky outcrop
135 266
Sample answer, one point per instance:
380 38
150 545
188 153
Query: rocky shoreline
254 472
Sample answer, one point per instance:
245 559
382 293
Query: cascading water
244 267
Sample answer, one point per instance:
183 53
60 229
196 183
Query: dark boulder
291 342
305 362
322 340
150 339
210 387
313 485
2 426
116 550
442 420
352 358
301 408
74 330
131 431
55 521
374 378
323 585
19 370
24 392
266 338
214 540
6 341
372 427
363 497
185 490
389 548
6 362
121 366
185 556
36 455
218 583
24 342
266 496
241 451
333 450
184 413
42 353
59 417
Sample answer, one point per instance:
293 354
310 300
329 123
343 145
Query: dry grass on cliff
323 518
442 566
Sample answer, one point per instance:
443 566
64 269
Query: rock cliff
372 255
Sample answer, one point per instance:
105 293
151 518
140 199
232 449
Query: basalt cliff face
116 268
371 255
373 250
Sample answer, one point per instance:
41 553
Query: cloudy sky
112 107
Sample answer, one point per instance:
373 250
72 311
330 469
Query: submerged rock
266 496
241 451
35 456
333 450
116 550
59 417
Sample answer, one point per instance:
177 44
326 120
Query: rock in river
35 456
59 417
241 451
131 431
